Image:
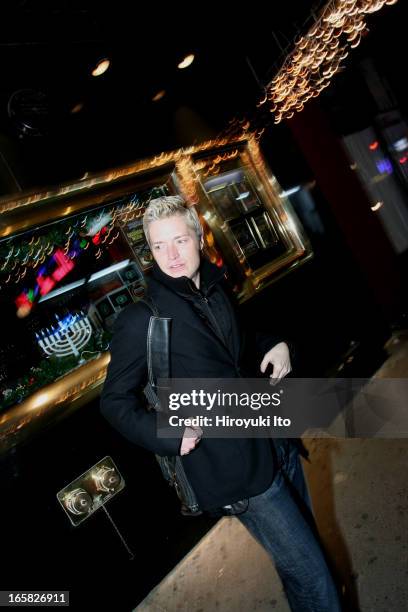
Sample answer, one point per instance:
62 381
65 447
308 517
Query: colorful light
384 166
45 282
98 223
65 265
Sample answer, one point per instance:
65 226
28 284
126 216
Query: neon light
373 146
97 237
384 166
45 283
65 265
23 300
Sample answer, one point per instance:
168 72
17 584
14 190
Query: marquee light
319 55
186 62
101 67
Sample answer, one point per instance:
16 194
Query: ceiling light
160 94
101 67
77 108
186 62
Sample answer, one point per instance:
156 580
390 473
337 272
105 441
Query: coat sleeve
258 340
122 402
266 340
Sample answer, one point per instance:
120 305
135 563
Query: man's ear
201 243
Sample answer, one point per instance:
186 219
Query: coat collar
210 275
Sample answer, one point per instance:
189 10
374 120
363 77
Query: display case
252 223
71 258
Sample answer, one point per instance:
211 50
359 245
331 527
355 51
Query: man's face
175 247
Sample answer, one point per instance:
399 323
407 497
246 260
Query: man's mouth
176 266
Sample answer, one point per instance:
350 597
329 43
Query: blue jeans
282 521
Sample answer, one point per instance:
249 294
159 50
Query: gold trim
51 402
297 246
111 176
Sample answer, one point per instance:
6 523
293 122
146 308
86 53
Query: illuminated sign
46 279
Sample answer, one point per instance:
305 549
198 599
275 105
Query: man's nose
172 251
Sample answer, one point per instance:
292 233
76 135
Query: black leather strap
158 364
158 351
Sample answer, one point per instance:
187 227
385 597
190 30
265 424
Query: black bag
158 365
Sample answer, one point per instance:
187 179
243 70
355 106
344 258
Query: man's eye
182 240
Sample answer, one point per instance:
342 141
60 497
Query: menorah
69 337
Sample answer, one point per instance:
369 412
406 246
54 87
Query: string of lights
319 55
72 237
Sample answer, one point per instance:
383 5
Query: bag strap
147 300
158 351
158 364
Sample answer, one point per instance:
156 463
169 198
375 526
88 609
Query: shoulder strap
158 350
147 300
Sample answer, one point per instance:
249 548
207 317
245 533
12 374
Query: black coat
205 343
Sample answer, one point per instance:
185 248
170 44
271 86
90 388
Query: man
205 343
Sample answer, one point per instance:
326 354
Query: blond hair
168 206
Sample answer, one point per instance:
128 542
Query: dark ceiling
48 48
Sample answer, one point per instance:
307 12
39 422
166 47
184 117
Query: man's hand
191 437
279 358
